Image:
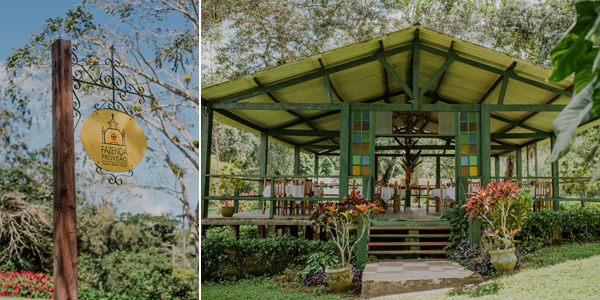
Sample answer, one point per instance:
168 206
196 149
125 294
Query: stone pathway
409 276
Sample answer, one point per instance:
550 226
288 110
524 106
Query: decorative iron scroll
113 177
121 89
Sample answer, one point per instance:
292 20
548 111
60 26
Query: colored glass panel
472 149
356 170
357 115
356 137
464 149
366 115
464 127
464 171
365 170
473 171
464 160
365 148
473 127
472 116
356 148
366 126
365 137
464 138
473 160
356 125
472 138
365 159
356 159
464 116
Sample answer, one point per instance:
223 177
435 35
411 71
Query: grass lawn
256 288
558 272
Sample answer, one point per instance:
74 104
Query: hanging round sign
113 140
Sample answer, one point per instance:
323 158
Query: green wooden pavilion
487 104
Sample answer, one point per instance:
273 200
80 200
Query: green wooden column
486 148
497 167
316 166
457 175
264 153
297 160
536 160
519 164
207 124
344 148
438 171
555 193
361 247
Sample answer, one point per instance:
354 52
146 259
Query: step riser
410 240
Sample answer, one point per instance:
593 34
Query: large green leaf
568 54
585 74
594 32
578 111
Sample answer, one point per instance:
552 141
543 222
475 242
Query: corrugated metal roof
462 83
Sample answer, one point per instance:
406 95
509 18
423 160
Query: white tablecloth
449 193
294 190
386 193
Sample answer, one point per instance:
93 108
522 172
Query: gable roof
462 72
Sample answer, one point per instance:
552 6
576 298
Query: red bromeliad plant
494 206
338 217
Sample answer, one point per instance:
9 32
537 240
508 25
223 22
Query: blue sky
18 20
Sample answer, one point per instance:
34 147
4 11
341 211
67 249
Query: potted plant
338 218
503 210
228 186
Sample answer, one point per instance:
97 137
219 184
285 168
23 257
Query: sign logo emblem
113 140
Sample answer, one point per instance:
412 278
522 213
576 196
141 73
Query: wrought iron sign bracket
121 90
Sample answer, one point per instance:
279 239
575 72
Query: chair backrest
279 187
377 188
542 189
308 187
428 189
321 189
267 181
473 184
298 181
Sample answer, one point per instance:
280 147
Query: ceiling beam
496 83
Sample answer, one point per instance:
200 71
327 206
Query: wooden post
207 124
555 187
63 162
519 164
261 231
308 232
234 231
344 149
297 160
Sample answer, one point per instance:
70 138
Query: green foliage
459 230
576 53
318 261
257 289
539 226
147 274
225 257
552 255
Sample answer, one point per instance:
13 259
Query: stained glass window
469 141
361 138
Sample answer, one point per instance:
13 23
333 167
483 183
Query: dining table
449 193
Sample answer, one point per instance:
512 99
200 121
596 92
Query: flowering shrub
26 284
243 205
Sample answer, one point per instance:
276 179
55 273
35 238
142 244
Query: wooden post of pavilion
63 161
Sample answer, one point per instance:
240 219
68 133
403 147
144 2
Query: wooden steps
412 239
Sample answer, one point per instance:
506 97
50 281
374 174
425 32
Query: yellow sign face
113 140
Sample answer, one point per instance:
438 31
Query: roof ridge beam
351 64
415 70
489 68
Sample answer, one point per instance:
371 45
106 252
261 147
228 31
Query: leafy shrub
315 279
459 228
538 227
225 257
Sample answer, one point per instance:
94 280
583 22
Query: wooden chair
397 197
321 185
473 185
266 182
436 199
447 202
542 190
308 193
377 197
279 191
